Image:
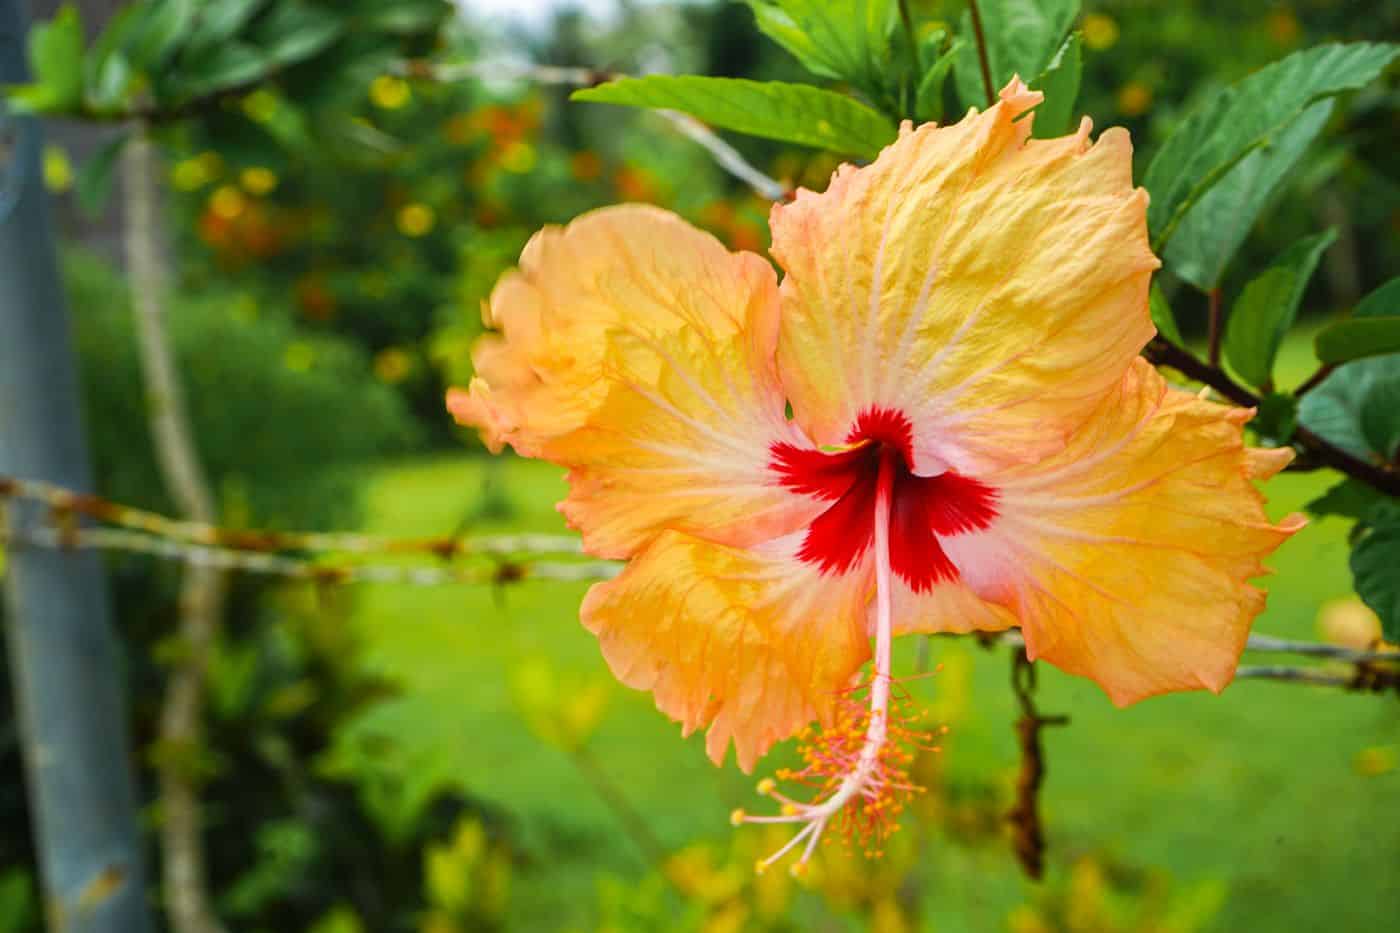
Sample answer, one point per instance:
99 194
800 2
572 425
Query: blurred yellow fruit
1348 622
416 219
1100 31
1134 98
189 174
258 180
227 202
58 171
389 92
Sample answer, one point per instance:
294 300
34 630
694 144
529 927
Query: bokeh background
459 759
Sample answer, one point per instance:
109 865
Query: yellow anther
760 867
798 870
737 817
789 810
767 786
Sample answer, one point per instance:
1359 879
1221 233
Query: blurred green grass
1256 789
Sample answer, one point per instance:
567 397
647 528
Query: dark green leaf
848 40
161 33
1268 306
1383 302
1246 116
1350 498
1358 407
1022 39
1162 315
230 65
95 179
56 55
1375 568
796 113
929 99
293 32
1357 338
1060 82
1210 235
221 20
1276 419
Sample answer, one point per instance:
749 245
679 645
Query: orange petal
989 285
756 646
1126 556
637 351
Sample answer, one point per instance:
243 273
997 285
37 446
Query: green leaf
1212 232
221 20
1375 568
1350 498
848 40
1358 408
1060 83
1383 302
929 98
295 31
1276 419
1022 38
107 66
1163 317
230 65
1267 308
95 180
1247 116
1357 338
56 55
161 33
795 113
404 18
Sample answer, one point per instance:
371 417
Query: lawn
1254 796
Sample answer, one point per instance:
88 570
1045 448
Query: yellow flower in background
518 157
937 422
1100 31
258 180
58 170
1134 98
390 92
261 105
415 220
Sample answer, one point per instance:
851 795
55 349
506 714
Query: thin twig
725 155
1320 452
1313 381
202 589
1028 832
982 58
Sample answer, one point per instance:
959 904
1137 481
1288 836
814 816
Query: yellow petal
989 285
1126 556
756 646
638 352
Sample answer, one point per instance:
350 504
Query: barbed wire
514 69
321 557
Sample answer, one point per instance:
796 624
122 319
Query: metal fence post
63 652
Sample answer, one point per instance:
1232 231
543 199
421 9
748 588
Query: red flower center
924 508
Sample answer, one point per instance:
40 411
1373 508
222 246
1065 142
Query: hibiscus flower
937 422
